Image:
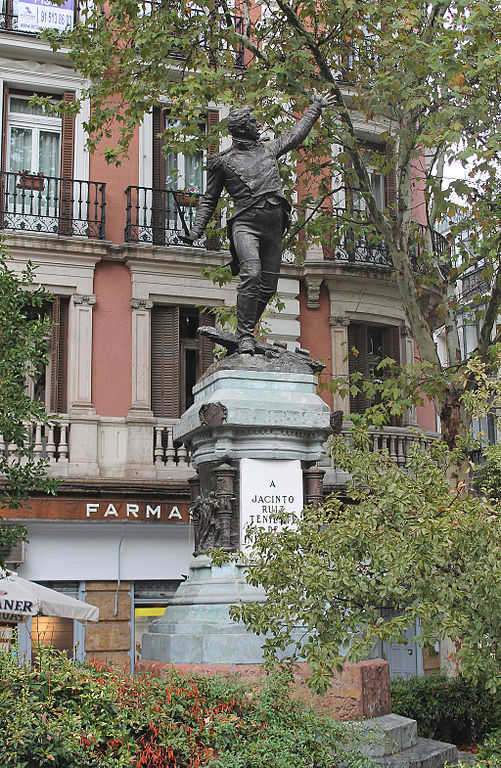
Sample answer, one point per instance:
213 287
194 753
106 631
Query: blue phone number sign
33 16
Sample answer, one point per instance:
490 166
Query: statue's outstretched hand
324 100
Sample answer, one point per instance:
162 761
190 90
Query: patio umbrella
20 599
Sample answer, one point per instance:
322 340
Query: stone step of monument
392 734
209 648
187 627
467 758
425 754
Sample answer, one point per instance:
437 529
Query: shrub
487 477
448 709
490 751
67 716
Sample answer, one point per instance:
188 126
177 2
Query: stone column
140 421
83 420
409 418
141 355
80 352
340 351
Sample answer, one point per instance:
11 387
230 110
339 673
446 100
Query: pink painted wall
117 179
425 414
112 340
315 336
418 175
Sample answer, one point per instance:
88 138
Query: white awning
20 599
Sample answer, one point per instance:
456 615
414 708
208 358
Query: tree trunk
454 419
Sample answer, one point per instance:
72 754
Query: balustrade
45 442
395 441
165 452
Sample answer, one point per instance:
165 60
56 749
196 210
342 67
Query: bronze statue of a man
249 172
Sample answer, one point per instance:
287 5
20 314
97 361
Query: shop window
150 601
371 343
63 634
178 357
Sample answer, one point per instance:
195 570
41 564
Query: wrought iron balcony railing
354 240
158 216
52 205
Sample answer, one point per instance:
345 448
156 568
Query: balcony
52 205
166 454
49 443
158 216
362 245
156 458
394 441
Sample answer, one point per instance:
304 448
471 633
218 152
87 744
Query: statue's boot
260 307
246 312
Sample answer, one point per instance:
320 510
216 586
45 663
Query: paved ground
466 758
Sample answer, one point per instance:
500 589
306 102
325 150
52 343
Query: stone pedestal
264 408
196 627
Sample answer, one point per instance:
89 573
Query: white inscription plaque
268 487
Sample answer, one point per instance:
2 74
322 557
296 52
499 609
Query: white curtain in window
193 172
20 150
49 153
171 171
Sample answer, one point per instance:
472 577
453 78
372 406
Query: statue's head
243 124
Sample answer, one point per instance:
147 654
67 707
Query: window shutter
357 338
158 155
165 373
206 348
391 343
213 242
390 179
212 121
5 114
158 201
391 348
67 147
67 139
58 354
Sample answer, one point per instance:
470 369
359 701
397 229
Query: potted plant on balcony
31 181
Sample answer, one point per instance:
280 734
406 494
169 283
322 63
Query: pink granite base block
359 691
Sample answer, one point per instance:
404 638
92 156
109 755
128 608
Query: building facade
124 350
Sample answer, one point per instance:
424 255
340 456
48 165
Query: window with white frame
33 138
184 170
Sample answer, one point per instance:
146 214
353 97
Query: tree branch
351 145
491 314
